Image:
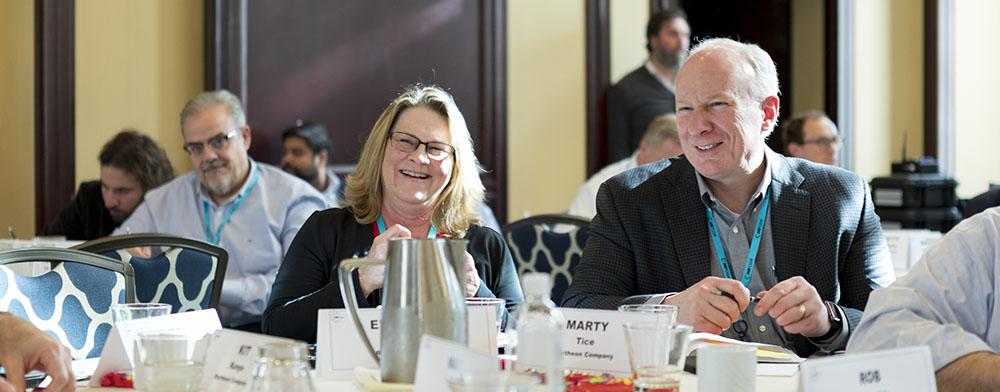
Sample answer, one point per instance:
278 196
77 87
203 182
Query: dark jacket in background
633 103
85 218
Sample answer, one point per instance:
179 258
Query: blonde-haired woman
417 177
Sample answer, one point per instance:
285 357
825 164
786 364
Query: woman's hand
372 278
472 281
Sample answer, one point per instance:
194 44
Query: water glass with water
282 367
134 311
168 362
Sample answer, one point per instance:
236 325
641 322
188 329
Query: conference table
689 383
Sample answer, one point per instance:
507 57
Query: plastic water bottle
539 328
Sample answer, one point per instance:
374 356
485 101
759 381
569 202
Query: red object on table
579 382
117 380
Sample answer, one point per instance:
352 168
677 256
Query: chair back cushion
183 278
552 248
71 303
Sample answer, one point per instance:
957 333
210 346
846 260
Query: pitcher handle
347 267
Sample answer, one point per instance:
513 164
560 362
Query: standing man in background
648 91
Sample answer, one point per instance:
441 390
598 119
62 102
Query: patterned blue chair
185 273
548 243
72 302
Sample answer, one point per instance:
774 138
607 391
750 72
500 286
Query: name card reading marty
594 340
339 348
906 369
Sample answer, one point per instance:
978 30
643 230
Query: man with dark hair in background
307 149
131 165
648 91
811 136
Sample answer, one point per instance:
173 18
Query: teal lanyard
214 238
431 232
758 231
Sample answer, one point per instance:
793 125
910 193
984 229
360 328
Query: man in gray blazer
731 218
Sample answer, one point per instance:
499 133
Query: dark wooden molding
55 116
931 78
598 48
493 63
831 43
226 46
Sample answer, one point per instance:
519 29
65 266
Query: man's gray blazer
650 236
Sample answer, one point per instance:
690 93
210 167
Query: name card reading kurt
339 348
116 356
231 358
594 340
906 369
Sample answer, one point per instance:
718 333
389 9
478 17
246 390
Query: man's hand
472 281
24 348
796 306
372 278
706 308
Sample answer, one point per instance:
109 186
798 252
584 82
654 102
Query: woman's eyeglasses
408 143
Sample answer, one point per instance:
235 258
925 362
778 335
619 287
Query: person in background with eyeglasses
811 136
250 209
417 177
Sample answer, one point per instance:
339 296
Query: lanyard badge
213 237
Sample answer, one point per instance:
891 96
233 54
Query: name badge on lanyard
213 237
720 250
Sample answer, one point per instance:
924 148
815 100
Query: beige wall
545 101
976 81
17 116
807 57
137 62
627 30
888 85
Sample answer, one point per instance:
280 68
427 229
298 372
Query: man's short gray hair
663 127
209 99
764 82
764 74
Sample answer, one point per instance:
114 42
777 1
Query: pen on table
730 296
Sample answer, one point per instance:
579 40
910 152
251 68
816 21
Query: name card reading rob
594 340
906 369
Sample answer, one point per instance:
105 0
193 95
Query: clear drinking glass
167 362
664 313
282 367
656 355
123 312
496 303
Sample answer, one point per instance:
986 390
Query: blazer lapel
789 219
686 222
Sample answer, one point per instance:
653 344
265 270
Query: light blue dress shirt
257 236
947 301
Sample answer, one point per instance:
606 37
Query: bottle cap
536 284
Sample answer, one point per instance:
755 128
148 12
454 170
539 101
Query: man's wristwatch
835 322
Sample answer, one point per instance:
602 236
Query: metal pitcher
422 294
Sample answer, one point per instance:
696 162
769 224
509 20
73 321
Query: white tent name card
231 358
339 348
906 369
594 340
116 356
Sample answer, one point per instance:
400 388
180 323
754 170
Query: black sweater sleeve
308 278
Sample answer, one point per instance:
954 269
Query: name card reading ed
594 340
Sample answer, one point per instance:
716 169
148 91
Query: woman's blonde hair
457 206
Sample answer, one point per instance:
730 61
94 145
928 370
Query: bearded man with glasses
251 209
